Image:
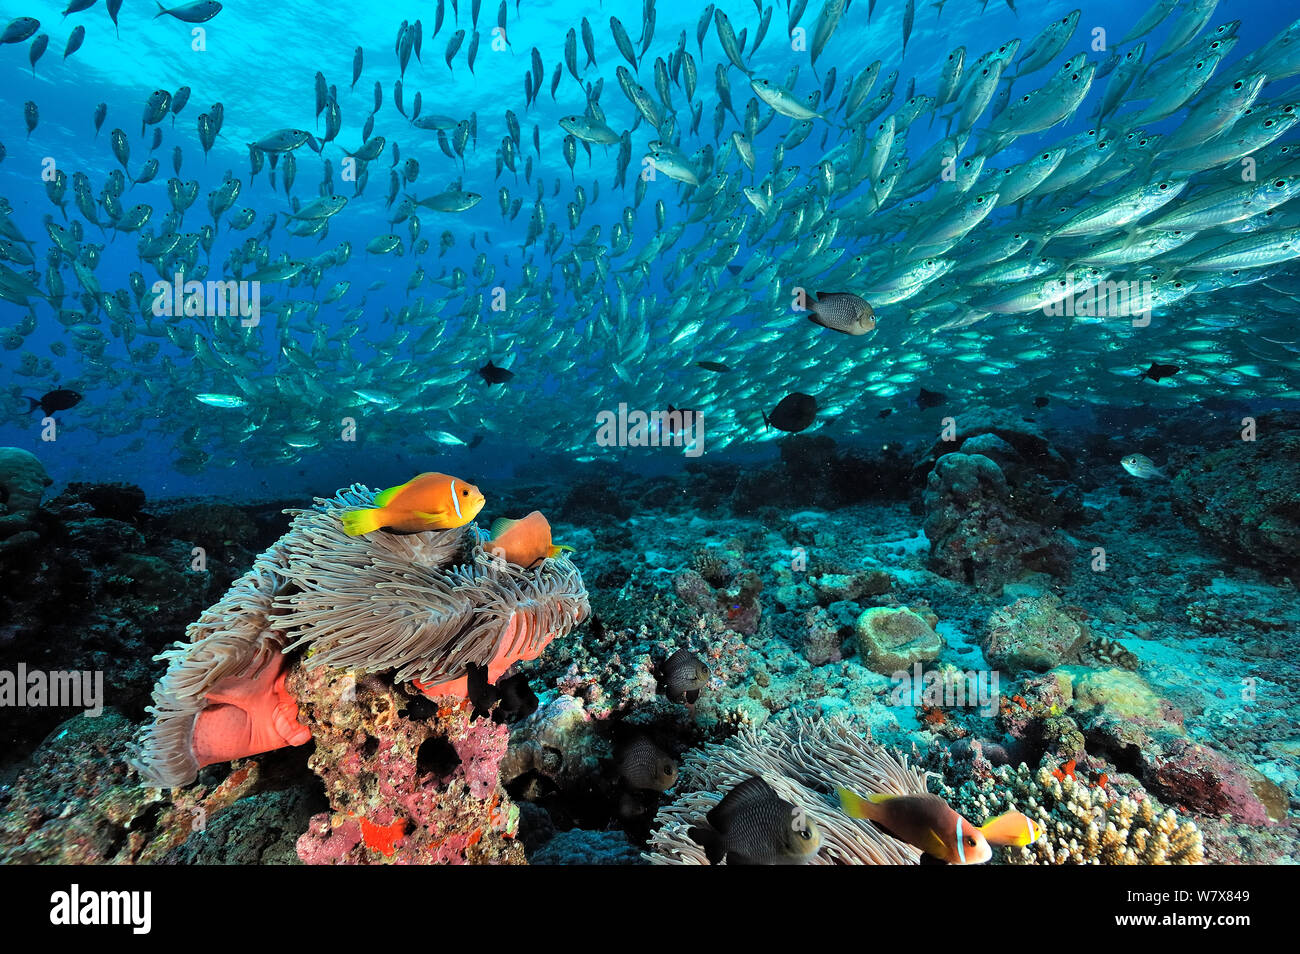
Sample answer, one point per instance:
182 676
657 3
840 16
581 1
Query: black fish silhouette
928 399
494 375
1159 371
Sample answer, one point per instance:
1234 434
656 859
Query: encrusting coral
805 763
410 781
1082 823
425 605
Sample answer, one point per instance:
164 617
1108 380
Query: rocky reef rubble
1036 634
76 802
997 501
1246 497
981 531
99 582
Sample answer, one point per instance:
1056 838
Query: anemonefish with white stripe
1013 829
427 502
923 821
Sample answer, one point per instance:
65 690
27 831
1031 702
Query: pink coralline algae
1207 781
410 781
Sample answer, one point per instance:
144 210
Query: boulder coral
892 640
1035 634
976 531
22 484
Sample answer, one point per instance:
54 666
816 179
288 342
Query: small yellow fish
1013 828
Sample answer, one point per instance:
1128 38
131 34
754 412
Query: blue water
260 60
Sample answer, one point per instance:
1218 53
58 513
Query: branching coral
424 604
1083 824
805 763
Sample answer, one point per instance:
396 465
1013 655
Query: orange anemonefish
523 542
923 821
1013 828
427 502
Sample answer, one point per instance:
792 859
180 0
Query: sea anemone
805 763
425 605
391 601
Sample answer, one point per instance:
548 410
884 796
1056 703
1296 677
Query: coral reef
578 847
1034 633
822 639
426 605
101 590
1082 824
815 472
76 803
1077 712
557 742
1103 652
1209 782
804 762
1165 679
409 781
723 585
22 484
1017 446
978 532
834 587
1245 498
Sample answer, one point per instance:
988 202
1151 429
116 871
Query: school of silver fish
965 203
